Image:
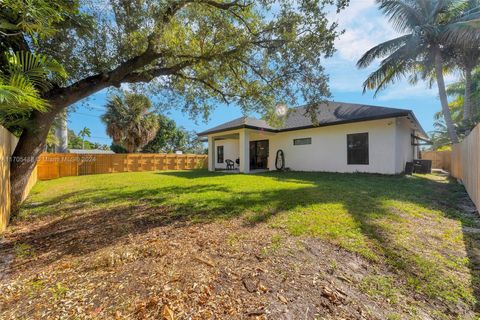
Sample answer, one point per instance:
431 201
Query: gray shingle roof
328 113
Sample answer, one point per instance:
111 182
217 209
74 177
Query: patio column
244 151
211 153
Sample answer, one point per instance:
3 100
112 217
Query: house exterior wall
404 149
328 151
389 147
230 151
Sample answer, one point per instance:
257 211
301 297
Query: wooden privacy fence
57 165
466 164
7 145
440 159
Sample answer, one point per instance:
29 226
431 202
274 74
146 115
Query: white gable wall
328 151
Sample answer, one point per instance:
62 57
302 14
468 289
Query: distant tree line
77 142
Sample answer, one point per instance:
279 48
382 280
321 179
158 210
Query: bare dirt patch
139 263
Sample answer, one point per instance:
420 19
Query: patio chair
230 164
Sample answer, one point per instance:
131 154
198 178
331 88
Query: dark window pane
302 141
357 148
220 154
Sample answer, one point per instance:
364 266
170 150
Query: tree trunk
467 99
33 139
24 159
452 131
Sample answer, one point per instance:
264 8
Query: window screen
357 148
302 141
220 154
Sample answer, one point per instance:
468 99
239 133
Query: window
302 141
220 154
357 148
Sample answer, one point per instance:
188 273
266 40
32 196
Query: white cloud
364 28
404 91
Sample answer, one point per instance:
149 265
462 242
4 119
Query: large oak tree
194 52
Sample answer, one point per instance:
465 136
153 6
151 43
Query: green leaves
250 54
37 18
38 69
25 77
18 96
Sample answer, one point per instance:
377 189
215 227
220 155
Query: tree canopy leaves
171 138
194 53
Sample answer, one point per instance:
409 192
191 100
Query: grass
407 224
380 286
24 250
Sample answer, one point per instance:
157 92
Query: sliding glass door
259 154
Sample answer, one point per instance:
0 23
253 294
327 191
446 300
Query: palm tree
129 121
467 90
467 55
439 136
430 31
469 63
83 133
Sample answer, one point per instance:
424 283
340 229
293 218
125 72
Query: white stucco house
348 138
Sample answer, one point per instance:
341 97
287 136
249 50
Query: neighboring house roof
328 113
90 151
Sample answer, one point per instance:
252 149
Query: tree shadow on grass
195 174
103 217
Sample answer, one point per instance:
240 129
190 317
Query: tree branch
225 5
207 84
149 75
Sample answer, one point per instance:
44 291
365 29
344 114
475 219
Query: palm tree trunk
452 131
83 143
467 99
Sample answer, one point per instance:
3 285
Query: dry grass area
307 253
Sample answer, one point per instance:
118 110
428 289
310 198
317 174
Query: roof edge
422 131
396 115
243 126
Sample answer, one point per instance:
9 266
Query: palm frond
463 29
403 14
19 96
39 69
395 66
382 50
462 33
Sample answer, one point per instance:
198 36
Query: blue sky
364 28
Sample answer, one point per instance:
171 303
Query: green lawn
410 225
